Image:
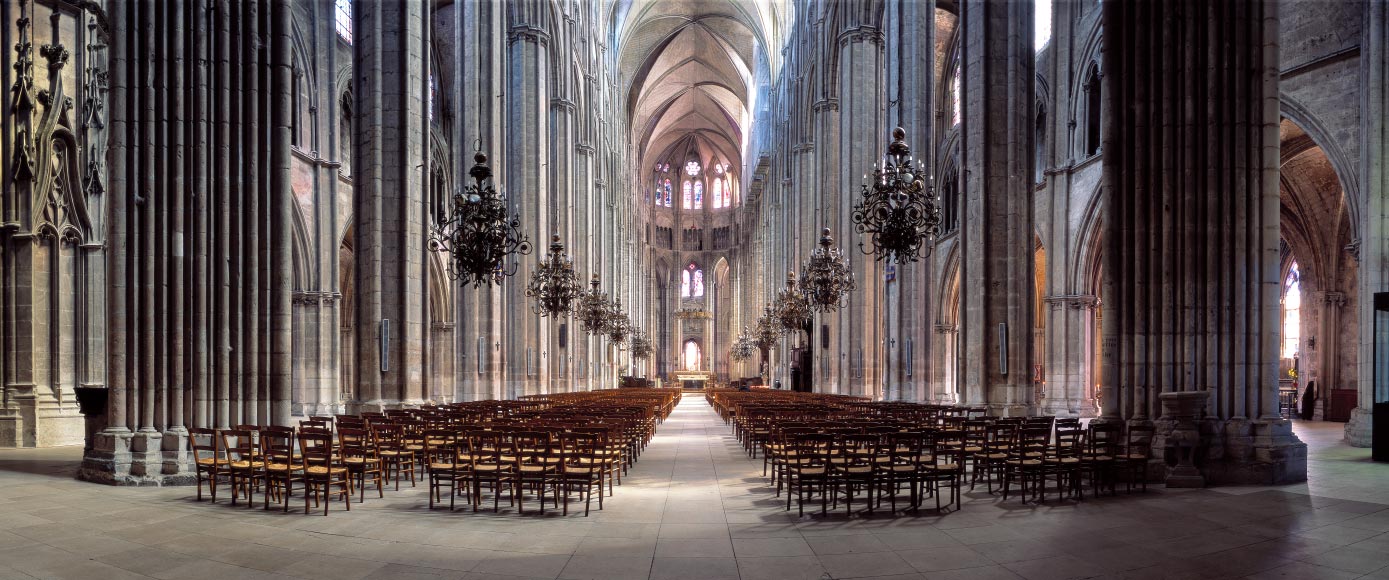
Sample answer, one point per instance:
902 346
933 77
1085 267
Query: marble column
997 236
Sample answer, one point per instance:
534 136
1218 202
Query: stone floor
696 508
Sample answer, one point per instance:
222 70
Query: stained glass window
685 284
692 168
1292 312
728 191
718 193
697 286
667 193
343 14
699 195
691 355
689 200
955 95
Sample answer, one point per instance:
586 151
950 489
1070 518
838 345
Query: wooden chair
581 469
853 466
323 470
903 454
281 466
362 459
1063 462
1101 458
243 462
494 463
396 455
443 464
945 466
1138 451
1025 463
990 462
808 470
209 459
537 466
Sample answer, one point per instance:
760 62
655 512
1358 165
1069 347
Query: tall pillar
1068 346
527 185
862 135
1200 184
1328 351
997 236
1374 245
944 378
389 72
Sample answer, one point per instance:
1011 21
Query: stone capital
528 33
1334 299
947 328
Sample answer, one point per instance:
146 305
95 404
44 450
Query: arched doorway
1319 279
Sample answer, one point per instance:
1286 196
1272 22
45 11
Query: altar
693 379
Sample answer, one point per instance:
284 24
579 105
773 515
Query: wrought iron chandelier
827 278
898 211
478 234
792 308
769 329
640 345
554 285
619 326
592 309
743 347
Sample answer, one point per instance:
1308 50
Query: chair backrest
316 447
490 447
1139 441
277 444
441 446
240 444
205 443
1104 438
1070 442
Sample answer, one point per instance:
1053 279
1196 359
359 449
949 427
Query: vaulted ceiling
690 68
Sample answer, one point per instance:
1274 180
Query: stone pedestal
1180 411
1359 429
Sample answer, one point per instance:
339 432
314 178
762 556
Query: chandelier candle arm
554 285
827 278
479 235
898 212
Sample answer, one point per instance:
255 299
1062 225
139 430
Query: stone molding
1074 301
826 105
562 103
529 33
871 34
310 298
1336 299
947 328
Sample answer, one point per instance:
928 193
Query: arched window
1040 145
1292 312
728 191
1092 110
343 16
718 193
345 135
689 200
699 195
955 95
667 193
691 355
433 92
692 282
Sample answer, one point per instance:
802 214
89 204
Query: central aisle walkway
694 508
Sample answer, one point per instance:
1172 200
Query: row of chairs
464 447
834 446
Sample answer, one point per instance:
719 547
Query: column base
1359 431
1067 408
142 458
1251 451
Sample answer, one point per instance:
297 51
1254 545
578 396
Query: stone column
1374 166
1200 184
997 236
527 185
1068 346
946 366
862 138
388 187
1328 351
